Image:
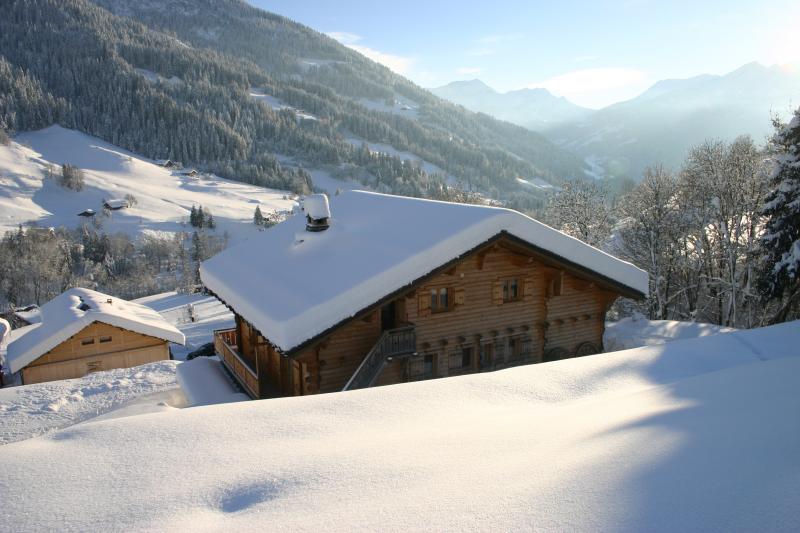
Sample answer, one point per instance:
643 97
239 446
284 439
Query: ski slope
164 197
693 435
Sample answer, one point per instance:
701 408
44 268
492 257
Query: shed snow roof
73 310
293 285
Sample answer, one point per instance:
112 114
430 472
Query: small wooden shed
84 331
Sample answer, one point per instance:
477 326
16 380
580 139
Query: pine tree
258 218
781 238
198 254
201 217
193 217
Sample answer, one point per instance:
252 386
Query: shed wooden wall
73 359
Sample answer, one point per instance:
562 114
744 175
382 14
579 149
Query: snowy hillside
164 197
692 435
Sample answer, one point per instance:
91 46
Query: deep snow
636 331
693 435
44 407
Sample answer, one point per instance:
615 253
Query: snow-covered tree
258 218
580 209
781 238
650 233
722 189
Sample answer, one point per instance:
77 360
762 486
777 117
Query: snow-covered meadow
164 197
693 435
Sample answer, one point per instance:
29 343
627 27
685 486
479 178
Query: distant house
167 163
191 173
386 289
115 204
83 331
87 213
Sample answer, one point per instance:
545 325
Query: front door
389 316
485 359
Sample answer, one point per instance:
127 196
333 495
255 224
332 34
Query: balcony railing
393 343
225 344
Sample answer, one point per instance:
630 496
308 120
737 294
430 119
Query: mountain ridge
660 124
175 78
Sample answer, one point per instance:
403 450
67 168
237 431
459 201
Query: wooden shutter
297 376
459 296
527 293
424 299
497 292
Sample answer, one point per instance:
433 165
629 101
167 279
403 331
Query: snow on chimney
318 212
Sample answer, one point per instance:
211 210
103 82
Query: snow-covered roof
292 284
73 310
116 203
317 207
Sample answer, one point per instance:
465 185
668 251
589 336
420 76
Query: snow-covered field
44 407
164 198
178 309
693 435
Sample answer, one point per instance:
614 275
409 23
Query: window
485 360
87 342
105 339
441 300
428 366
513 347
461 359
510 290
466 357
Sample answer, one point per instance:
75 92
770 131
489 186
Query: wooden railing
225 344
393 343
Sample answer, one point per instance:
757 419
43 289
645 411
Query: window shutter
459 296
497 292
528 289
424 299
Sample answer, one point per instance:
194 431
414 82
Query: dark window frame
440 295
511 292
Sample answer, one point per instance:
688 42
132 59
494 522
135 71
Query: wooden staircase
393 343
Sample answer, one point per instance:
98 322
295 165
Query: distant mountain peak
534 108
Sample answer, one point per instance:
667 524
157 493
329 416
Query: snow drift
692 435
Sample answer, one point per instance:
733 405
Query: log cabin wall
482 330
576 318
96 347
483 327
330 363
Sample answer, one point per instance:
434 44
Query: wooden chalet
84 331
392 289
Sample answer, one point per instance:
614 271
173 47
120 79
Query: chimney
318 213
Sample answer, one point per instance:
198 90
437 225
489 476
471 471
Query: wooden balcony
393 343
226 345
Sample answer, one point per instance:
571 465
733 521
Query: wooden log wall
555 309
84 353
330 363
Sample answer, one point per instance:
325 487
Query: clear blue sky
594 53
